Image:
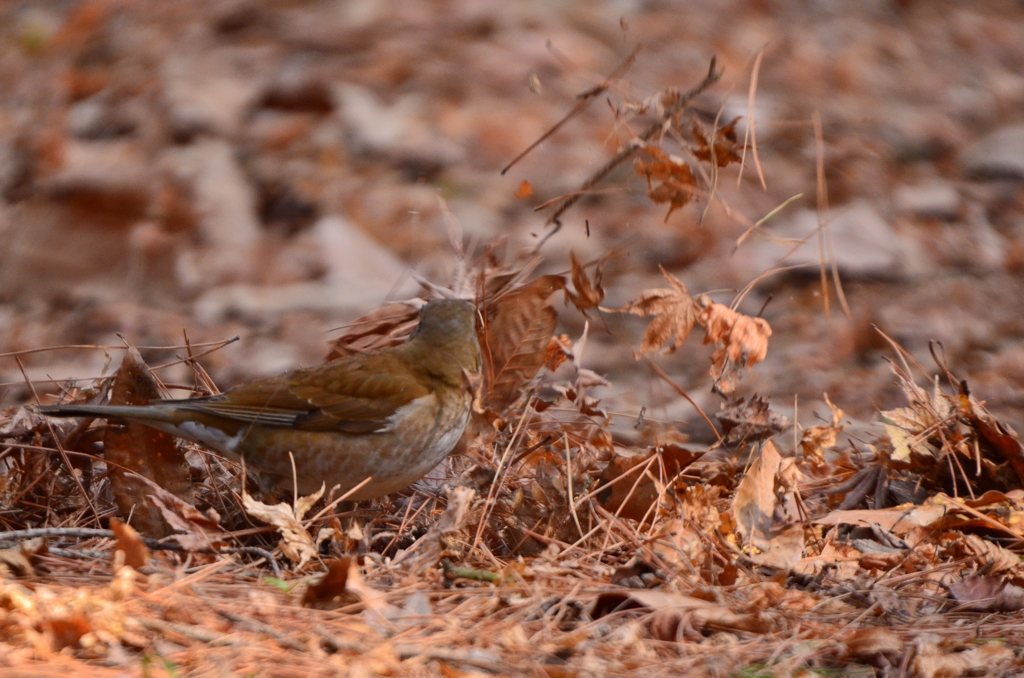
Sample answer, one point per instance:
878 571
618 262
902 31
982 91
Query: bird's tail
142 412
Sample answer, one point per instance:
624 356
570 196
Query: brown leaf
741 341
515 337
632 496
589 293
23 559
725 145
67 631
198 531
330 592
386 326
136 555
987 594
866 644
674 310
988 659
750 421
674 613
669 179
753 505
139 449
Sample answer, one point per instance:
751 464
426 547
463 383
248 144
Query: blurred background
272 170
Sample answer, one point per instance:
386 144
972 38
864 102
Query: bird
390 415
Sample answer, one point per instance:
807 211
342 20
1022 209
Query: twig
627 151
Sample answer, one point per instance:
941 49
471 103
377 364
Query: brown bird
391 414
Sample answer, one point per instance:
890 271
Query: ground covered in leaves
828 197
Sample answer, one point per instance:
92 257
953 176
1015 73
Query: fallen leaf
196 531
673 613
669 179
136 555
741 341
589 292
330 592
514 338
987 594
135 450
387 326
296 543
725 149
674 311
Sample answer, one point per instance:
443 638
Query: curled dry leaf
750 421
330 591
296 543
669 179
386 326
198 531
741 341
589 293
674 312
136 555
514 339
725 148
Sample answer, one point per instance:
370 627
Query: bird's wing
355 394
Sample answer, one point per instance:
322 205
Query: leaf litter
552 546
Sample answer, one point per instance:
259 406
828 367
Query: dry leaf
988 659
23 560
589 293
330 592
387 326
514 338
296 543
136 555
675 612
674 310
725 148
987 594
196 531
669 179
139 449
741 341
632 496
